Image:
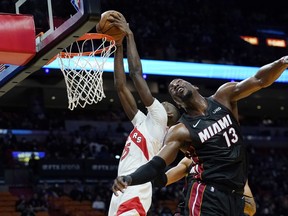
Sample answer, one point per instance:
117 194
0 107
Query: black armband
148 171
161 180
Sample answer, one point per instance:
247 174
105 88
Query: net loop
2 67
82 64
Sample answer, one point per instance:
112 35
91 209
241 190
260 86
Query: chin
187 96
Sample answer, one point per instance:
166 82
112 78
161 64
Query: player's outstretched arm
250 205
136 73
174 174
263 78
179 171
126 98
271 72
134 62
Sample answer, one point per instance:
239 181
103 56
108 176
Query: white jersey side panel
145 140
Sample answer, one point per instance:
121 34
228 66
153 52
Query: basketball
104 26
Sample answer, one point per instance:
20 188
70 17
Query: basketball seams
105 16
104 26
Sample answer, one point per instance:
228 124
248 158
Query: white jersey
145 140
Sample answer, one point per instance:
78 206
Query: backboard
79 17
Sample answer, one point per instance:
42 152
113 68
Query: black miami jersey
217 146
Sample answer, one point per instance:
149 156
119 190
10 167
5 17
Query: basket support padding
17 39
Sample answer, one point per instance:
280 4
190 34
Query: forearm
161 180
172 175
135 71
148 171
172 179
250 206
119 74
134 63
271 72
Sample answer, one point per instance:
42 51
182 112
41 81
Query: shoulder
138 118
225 89
155 106
224 94
155 103
178 127
157 112
179 131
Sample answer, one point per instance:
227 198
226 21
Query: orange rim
95 36
87 36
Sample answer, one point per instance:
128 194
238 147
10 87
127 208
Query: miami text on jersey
215 128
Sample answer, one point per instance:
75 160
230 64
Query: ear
170 114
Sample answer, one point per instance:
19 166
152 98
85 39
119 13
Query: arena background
80 147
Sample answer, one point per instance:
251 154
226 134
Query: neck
198 106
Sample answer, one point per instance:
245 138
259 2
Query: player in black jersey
210 134
188 168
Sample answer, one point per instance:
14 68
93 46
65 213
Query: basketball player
209 133
146 139
188 169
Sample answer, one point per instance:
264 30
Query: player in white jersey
146 138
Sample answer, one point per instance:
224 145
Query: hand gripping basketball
119 21
107 25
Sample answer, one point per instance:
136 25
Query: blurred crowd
198 30
267 171
203 31
267 179
64 135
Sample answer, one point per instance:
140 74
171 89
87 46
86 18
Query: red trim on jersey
199 171
196 198
131 204
195 159
138 138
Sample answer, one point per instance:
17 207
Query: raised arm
134 62
135 71
265 76
126 98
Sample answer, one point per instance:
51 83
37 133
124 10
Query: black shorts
207 200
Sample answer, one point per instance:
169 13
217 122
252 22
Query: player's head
182 92
172 112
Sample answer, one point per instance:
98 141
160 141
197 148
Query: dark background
199 31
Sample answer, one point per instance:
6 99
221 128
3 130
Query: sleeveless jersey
145 140
217 146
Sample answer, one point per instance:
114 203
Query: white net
2 67
82 64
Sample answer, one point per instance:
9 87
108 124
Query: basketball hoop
82 64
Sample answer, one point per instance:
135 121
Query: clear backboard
79 17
